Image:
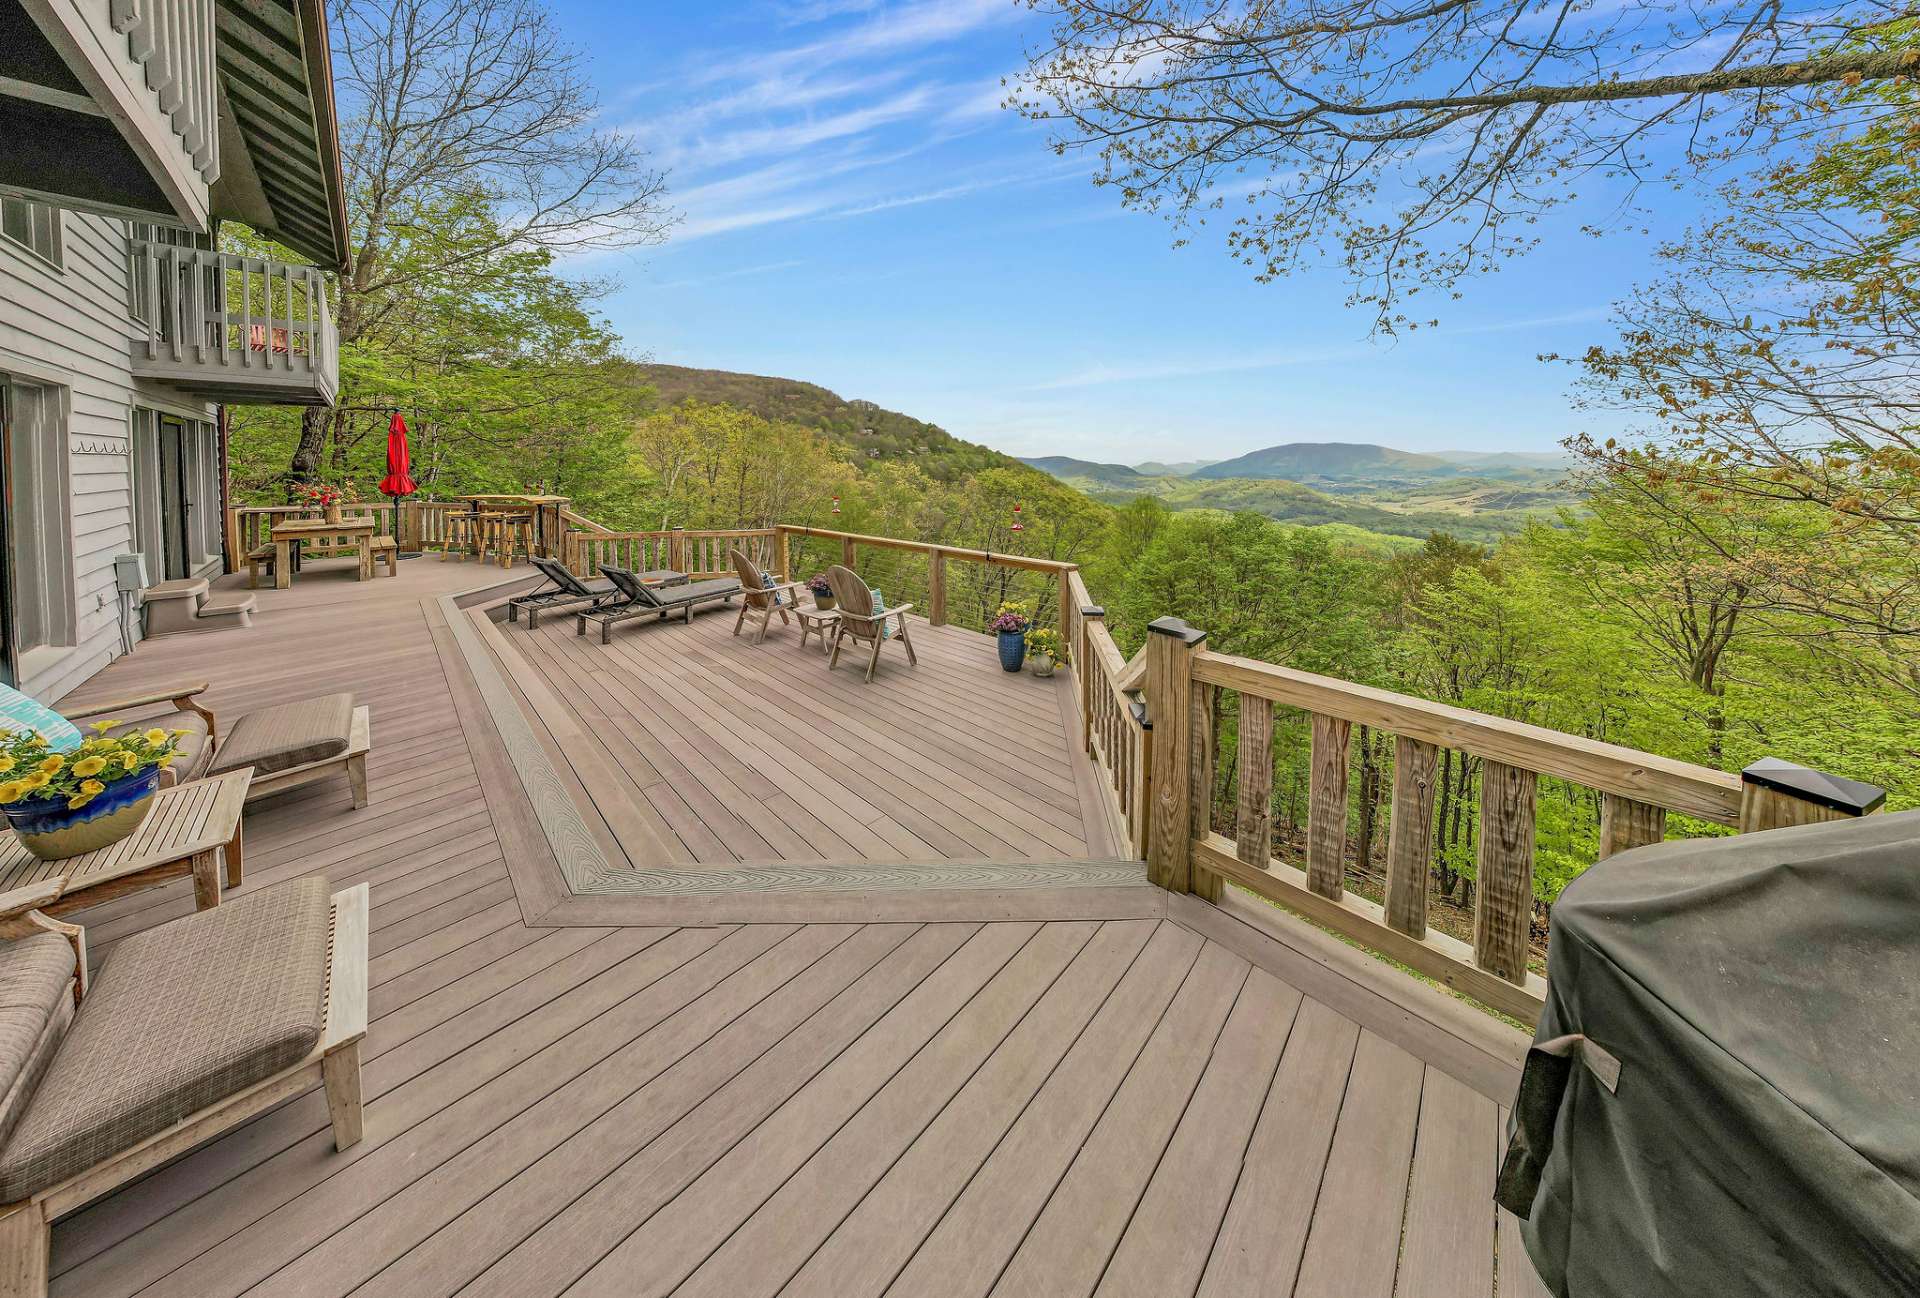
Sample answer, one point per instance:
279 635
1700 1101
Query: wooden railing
216 320
945 583
1113 718
1184 853
700 554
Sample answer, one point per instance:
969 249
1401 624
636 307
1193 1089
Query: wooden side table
817 621
190 829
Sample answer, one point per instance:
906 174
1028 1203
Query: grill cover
1761 995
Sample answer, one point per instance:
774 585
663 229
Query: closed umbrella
398 482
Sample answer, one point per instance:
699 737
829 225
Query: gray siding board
70 327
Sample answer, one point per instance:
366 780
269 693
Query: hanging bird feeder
1017 525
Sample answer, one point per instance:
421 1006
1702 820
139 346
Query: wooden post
1410 834
1775 794
937 586
1626 824
1327 808
1085 673
1171 644
783 545
1503 890
677 551
1206 883
847 555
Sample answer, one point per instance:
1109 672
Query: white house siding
69 327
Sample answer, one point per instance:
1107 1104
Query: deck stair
177 607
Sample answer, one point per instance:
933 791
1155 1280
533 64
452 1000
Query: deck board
955 1108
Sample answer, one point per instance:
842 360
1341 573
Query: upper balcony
230 328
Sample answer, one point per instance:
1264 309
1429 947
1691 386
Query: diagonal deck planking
1170 1105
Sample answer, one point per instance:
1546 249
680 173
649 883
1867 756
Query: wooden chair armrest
31 897
17 924
896 610
178 695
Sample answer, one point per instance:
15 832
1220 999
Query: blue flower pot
53 832
1013 650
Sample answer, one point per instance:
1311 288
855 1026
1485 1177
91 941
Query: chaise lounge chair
637 599
286 744
761 597
563 591
861 624
189 1030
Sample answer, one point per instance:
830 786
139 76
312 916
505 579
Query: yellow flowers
53 764
91 787
131 762
39 780
78 801
101 727
88 766
31 768
156 736
13 791
6 763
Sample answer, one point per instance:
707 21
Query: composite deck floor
1151 1106
706 747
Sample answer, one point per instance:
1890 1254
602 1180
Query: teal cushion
19 713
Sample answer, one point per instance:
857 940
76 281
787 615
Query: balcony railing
233 328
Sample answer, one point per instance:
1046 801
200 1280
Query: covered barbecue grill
1724 1093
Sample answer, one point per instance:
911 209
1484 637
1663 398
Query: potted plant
1011 623
1043 650
328 498
69 803
822 591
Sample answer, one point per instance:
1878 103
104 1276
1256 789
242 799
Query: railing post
847 555
677 551
783 545
1626 824
1084 673
937 586
1775 794
1201 739
1171 645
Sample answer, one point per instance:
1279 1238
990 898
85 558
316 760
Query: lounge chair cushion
288 735
36 1005
196 754
180 1017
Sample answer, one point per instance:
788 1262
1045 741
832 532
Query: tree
1426 137
474 102
1775 363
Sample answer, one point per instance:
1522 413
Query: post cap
1176 628
1139 709
1092 610
1818 787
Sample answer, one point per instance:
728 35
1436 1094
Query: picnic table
291 533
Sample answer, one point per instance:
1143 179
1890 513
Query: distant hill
1068 469
1330 461
865 429
1156 469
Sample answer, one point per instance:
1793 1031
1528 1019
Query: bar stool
462 536
502 531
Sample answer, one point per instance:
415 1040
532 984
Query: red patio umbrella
397 483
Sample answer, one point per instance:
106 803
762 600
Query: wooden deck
1196 1100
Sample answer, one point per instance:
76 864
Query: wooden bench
261 557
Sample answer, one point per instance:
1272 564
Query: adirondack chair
859 623
761 597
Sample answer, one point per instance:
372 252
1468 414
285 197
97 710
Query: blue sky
858 212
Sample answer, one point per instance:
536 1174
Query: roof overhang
277 128
177 111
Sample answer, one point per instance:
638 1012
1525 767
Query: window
34 226
39 528
144 273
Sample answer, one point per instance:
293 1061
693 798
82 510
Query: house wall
68 327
